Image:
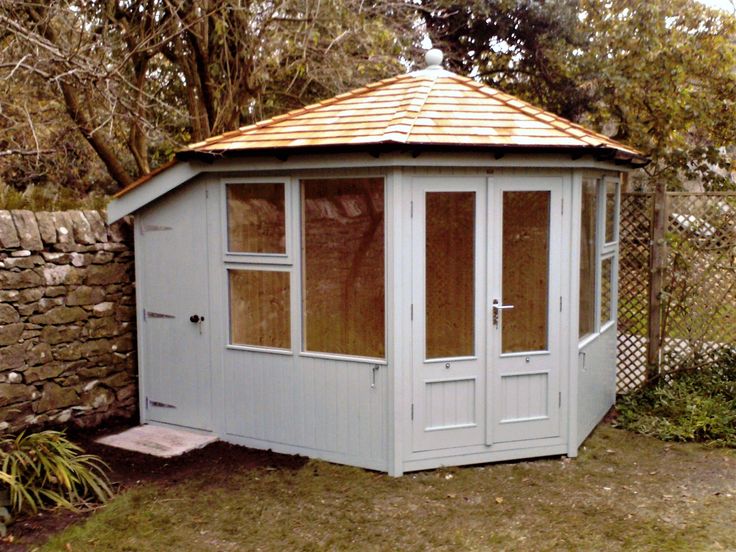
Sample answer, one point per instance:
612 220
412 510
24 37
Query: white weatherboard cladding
596 381
326 407
171 241
342 409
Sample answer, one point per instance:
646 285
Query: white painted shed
418 273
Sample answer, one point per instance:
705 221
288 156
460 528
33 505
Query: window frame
604 250
286 258
301 272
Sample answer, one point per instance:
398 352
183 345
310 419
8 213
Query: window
450 274
526 220
256 218
259 308
598 252
588 256
343 266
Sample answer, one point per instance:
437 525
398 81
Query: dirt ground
131 469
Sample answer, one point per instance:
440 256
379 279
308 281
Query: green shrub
688 405
45 469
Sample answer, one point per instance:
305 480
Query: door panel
448 304
524 337
176 363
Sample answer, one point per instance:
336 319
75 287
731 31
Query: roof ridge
299 111
561 123
421 107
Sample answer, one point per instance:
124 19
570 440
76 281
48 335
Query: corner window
343 271
598 252
588 256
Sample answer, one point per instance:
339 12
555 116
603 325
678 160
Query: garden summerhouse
421 272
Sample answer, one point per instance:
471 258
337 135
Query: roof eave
599 153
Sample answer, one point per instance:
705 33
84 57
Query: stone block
30 295
55 275
81 228
99 398
56 257
103 257
44 372
63 225
97 225
103 309
27 227
9 295
60 334
8 314
85 295
21 253
28 309
13 356
106 274
10 333
39 354
46 226
8 234
121 231
55 291
55 397
103 327
14 393
23 262
19 280
48 303
61 315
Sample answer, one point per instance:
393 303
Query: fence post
657 259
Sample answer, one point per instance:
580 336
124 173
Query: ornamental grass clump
45 470
697 404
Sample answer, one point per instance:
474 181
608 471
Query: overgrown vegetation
692 404
50 198
45 470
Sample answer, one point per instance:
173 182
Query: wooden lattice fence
691 257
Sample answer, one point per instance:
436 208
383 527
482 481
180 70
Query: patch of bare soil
129 469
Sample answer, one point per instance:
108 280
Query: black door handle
196 319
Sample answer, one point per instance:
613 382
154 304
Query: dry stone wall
67 319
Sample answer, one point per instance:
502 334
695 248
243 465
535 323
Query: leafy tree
138 78
658 75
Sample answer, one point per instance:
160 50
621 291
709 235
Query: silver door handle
497 307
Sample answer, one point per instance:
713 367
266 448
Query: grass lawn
624 492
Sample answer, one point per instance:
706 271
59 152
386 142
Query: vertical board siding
318 404
596 381
450 403
524 397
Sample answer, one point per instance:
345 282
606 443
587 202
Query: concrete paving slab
157 440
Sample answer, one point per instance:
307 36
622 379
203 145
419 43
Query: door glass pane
525 270
588 224
259 308
256 221
450 274
343 248
606 288
611 195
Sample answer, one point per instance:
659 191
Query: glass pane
450 274
525 283
611 195
343 249
588 256
256 221
259 308
606 288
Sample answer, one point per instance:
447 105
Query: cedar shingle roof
418 108
427 108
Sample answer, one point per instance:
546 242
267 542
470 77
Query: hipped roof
427 109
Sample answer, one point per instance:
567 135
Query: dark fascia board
598 153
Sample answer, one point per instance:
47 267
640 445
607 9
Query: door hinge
559 399
412 311
206 194
562 206
412 411
560 303
146 403
411 209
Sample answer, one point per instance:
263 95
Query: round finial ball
434 57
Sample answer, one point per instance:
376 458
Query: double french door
486 304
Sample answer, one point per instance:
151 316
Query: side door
176 371
524 340
448 311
